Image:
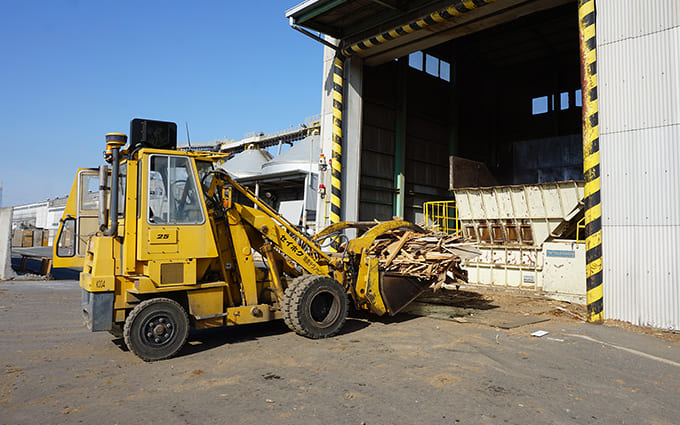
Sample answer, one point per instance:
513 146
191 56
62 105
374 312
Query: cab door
79 221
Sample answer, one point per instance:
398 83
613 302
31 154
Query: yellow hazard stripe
336 170
594 241
592 186
591 162
452 11
436 17
593 214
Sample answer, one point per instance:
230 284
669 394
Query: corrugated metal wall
639 101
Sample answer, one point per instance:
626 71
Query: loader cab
173 230
168 235
161 205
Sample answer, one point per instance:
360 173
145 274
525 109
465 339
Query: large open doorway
504 102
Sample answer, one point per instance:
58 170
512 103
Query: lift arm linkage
297 246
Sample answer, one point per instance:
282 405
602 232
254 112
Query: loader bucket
398 291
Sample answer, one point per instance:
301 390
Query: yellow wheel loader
169 241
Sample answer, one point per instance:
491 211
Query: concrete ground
403 370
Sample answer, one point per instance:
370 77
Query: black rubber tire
156 329
317 307
288 295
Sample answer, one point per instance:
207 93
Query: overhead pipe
455 9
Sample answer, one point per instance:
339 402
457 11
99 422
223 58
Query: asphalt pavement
401 370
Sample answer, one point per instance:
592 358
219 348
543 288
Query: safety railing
443 215
581 230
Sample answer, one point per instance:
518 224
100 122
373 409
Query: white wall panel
644 75
642 275
621 19
640 174
639 119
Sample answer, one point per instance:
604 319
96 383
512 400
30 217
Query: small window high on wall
431 65
544 104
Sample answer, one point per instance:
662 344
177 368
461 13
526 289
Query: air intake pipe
103 188
114 141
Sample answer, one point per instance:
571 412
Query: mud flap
97 310
398 291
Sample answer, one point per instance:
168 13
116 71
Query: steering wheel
184 198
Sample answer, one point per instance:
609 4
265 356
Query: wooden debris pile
429 256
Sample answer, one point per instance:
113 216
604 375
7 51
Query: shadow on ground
460 299
479 308
450 304
201 340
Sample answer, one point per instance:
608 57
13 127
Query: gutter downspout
455 9
336 158
296 27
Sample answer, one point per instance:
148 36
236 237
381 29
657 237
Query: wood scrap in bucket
433 256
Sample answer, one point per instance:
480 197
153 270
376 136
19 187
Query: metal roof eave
311 8
314 15
299 8
492 14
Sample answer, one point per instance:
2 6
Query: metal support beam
400 139
454 136
352 120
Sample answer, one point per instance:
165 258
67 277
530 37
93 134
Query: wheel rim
158 330
324 308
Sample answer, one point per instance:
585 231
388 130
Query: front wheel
316 307
156 329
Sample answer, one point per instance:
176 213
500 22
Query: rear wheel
156 329
316 307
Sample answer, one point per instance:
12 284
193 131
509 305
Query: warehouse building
39 215
525 92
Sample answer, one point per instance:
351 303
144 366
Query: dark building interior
506 97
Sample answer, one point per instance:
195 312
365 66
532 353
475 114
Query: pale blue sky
74 70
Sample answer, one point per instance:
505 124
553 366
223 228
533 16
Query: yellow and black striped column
591 161
336 166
